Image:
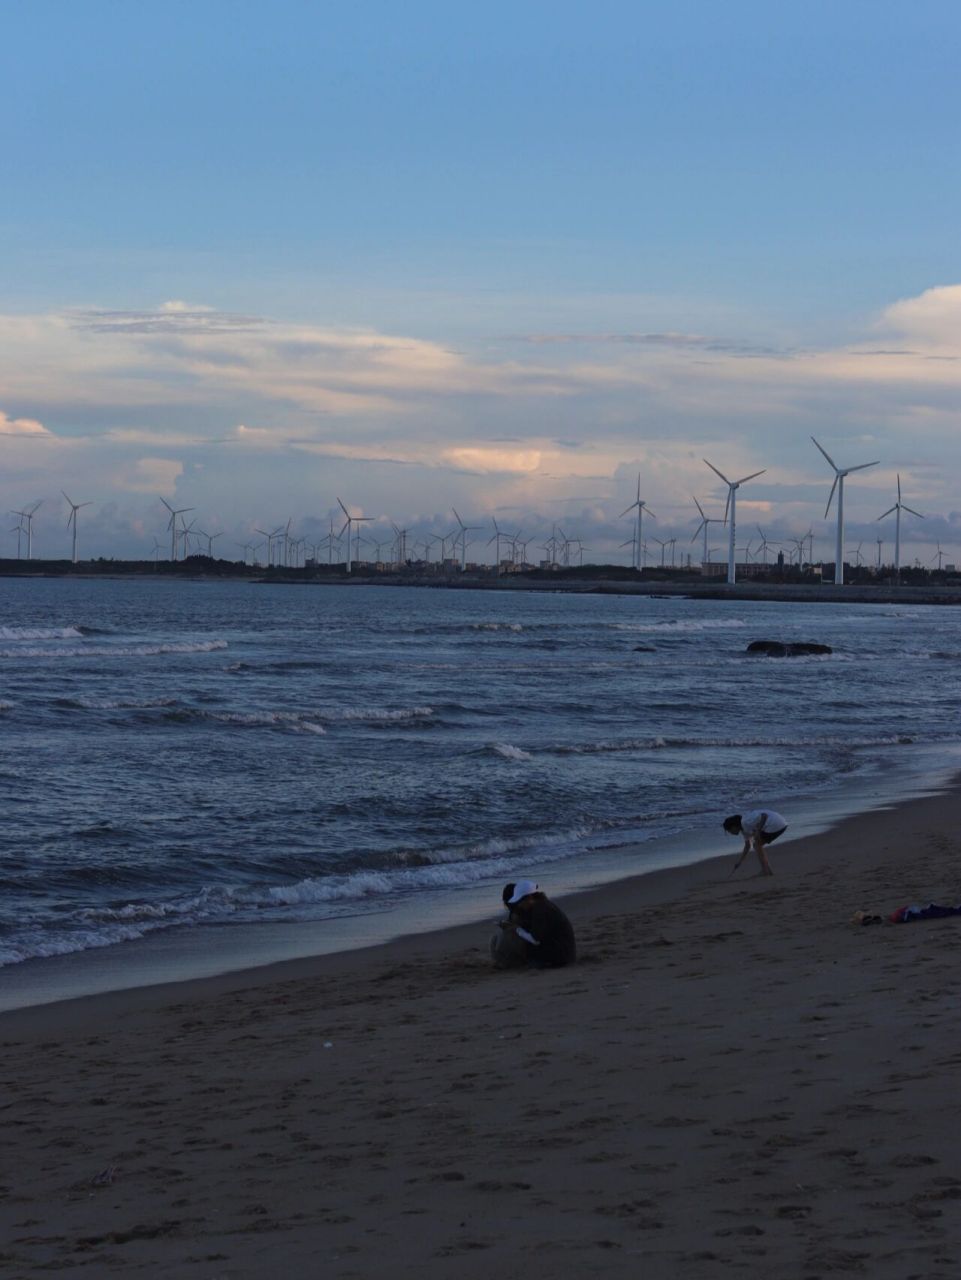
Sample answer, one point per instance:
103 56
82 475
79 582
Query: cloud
23 427
682 341
148 475
932 319
484 461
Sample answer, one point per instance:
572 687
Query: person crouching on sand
545 930
508 951
760 827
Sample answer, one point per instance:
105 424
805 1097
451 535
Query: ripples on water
179 753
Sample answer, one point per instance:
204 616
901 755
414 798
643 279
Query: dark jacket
554 944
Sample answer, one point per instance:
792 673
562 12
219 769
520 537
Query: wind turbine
27 515
640 506
496 537
465 529
172 525
72 520
730 512
939 557
349 526
705 521
898 507
839 474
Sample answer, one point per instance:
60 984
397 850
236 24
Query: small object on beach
105 1177
865 917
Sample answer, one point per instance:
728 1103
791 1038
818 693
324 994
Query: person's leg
761 855
508 951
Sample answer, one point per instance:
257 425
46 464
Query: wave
41 633
509 752
312 721
115 704
671 626
119 651
414 871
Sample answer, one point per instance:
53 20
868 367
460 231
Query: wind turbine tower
349 526
27 516
730 512
839 474
705 521
898 507
172 526
465 529
72 520
639 506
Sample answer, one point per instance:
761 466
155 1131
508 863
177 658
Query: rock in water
784 649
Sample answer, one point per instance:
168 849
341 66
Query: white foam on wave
118 651
40 633
94 927
670 626
509 752
123 704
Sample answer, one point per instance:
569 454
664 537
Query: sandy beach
734 1080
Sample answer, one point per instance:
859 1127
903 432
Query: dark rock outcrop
783 649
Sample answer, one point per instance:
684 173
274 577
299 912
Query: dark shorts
768 837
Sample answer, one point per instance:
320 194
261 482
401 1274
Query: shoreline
197 953
473 915
732 1078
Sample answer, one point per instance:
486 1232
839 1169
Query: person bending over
543 927
759 827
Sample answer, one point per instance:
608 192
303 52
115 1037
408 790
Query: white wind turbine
349 526
27 515
640 506
465 529
496 537
898 507
705 521
72 520
839 474
172 525
730 512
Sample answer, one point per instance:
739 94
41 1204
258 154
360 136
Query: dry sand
734 1081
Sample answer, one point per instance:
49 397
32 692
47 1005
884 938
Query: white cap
521 890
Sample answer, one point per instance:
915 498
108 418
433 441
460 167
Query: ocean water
181 755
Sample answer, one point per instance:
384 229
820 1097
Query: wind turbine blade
344 525
699 507
752 476
344 509
889 510
862 465
899 487
837 477
912 510
826 454
166 504
626 509
716 472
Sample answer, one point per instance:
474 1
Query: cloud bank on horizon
252 420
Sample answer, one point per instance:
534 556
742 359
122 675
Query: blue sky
504 257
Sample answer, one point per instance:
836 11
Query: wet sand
733 1081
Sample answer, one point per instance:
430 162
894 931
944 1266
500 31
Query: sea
202 774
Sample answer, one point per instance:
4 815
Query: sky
506 258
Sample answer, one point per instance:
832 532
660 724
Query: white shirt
762 820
